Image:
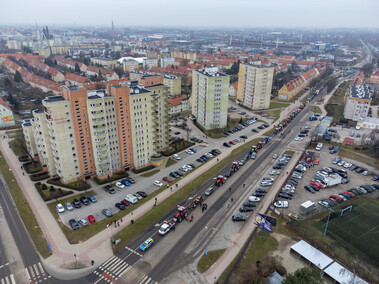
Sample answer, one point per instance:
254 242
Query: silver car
69 206
83 222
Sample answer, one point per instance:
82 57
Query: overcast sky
193 13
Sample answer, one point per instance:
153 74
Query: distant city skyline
195 13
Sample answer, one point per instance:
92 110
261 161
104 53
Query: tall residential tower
210 90
254 85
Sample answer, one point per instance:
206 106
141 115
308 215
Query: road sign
263 222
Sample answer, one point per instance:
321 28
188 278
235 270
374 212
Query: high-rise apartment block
210 90
254 85
82 133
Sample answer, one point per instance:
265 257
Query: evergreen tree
77 68
17 77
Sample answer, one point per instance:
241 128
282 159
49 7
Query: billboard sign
262 222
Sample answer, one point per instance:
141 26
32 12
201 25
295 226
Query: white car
274 173
120 185
60 208
184 168
176 157
268 179
266 183
347 165
275 156
83 222
158 183
254 199
281 204
298 139
188 151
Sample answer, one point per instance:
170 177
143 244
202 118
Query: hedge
24 158
57 181
114 177
39 176
26 167
144 169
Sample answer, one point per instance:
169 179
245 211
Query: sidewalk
98 247
239 239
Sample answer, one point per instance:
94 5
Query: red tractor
182 214
235 166
220 180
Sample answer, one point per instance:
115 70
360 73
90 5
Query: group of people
204 207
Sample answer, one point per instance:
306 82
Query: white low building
6 115
368 122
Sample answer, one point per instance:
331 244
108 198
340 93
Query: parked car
68 206
254 199
120 206
91 219
142 193
109 189
239 218
176 157
281 204
107 213
158 183
227 145
83 222
84 200
76 203
120 185
92 198
60 208
74 225
246 209
248 204
166 179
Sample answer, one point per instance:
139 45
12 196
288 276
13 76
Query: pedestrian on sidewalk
243 185
171 188
121 220
230 189
118 224
23 173
132 221
231 199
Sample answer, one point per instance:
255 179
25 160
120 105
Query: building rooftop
211 72
360 92
53 99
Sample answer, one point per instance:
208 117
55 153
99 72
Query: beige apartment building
174 84
254 85
210 89
82 133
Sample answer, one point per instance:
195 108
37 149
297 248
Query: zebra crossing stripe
36 269
114 264
41 268
31 271
106 263
121 268
102 267
12 279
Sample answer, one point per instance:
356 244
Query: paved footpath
98 247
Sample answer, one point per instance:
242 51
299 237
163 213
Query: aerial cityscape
181 143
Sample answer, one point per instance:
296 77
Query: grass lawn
233 99
355 156
151 173
289 152
170 162
293 99
258 249
206 261
17 149
151 217
278 105
275 113
268 133
24 210
316 109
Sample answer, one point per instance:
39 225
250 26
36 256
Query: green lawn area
233 99
275 113
151 217
24 210
268 133
206 261
151 173
17 148
293 99
257 250
278 105
355 156
170 162
316 109
289 152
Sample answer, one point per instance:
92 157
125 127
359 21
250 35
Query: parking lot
325 160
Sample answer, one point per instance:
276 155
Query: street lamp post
206 240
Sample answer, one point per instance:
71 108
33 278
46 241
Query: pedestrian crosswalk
134 251
36 274
112 269
8 280
147 280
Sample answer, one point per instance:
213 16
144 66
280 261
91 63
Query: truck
311 118
333 179
307 207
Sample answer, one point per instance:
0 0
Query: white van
131 198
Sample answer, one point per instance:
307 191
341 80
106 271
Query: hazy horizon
323 14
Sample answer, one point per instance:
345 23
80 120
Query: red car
167 179
337 198
232 142
350 193
316 184
125 202
91 219
317 162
